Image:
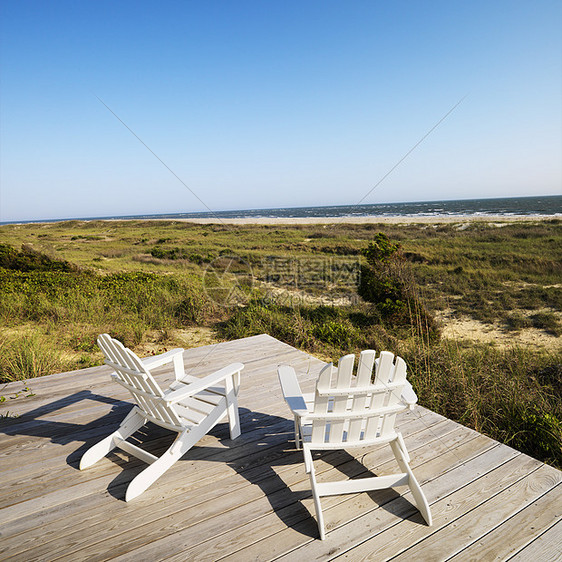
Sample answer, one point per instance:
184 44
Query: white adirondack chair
343 415
191 406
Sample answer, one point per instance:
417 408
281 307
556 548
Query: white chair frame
191 407
341 415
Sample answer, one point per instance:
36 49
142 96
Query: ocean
509 206
550 206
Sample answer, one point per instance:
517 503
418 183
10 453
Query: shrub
537 433
387 281
29 259
548 322
517 321
339 334
381 249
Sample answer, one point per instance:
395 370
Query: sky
134 107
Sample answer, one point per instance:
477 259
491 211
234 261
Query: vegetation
328 289
513 395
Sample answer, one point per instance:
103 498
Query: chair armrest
408 395
162 359
205 382
292 390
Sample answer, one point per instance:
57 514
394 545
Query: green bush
125 304
336 333
387 281
28 259
381 249
537 433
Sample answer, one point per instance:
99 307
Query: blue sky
258 104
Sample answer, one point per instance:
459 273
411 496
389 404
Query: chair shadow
266 443
62 432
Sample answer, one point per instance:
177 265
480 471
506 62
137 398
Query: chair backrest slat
367 414
134 376
364 373
398 374
345 371
383 375
365 367
321 403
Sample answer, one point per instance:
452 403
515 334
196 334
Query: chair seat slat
135 451
190 415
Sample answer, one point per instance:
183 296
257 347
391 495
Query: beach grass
61 284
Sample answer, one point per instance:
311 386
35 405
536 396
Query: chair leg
183 442
132 422
297 432
150 474
232 408
309 465
402 458
179 371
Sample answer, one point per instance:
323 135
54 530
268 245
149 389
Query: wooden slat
345 371
518 531
136 451
545 547
321 403
448 501
364 375
383 370
473 525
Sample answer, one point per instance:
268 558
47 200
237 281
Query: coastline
373 219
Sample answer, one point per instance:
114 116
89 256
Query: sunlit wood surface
249 499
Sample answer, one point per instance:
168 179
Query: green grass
517 266
29 357
512 395
75 279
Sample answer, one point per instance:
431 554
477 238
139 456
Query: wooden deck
249 499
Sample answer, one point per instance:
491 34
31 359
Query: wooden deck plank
207 447
520 530
469 527
287 461
359 517
256 395
211 473
249 499
547 547
238 539
446 506
291 484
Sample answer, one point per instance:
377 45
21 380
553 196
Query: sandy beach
497 220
